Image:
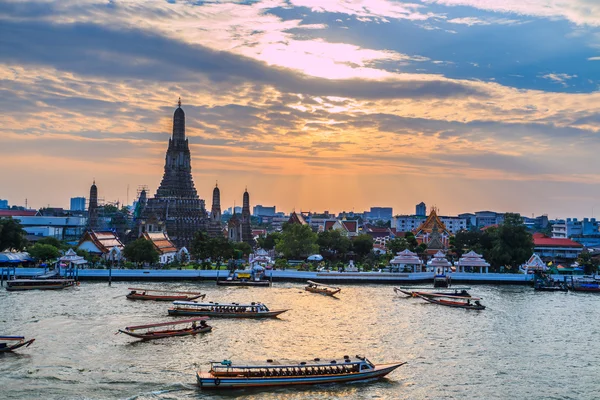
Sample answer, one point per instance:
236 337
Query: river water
525 345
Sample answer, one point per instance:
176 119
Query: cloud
559 78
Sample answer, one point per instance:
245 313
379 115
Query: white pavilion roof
71 256
439 260
406 257
472 259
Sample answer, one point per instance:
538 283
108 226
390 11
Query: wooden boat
437 299
148 332
223 310
590 285
162 295
547 288
315 287
413 293
39 284
226 375
10 343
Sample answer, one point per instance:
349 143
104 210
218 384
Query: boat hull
323 291
414 293
453 304
244 283
208 381
161 335
161 298
17 288
16 346
550 289
216 314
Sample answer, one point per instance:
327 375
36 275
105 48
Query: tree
220 249
466 241
589 264
270 240
511 243
12 235
362 245
201 246
243 247
141 251
52 241
44 252
333 244
297 241
397 244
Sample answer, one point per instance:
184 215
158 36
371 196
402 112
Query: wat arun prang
176 207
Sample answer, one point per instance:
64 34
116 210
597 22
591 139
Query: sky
312 105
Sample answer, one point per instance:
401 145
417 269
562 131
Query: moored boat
224 310
456 302
39 284
162 295
413 293
226 375
10 343
320 288
585 284
254 277
148 332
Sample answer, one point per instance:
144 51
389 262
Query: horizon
464 105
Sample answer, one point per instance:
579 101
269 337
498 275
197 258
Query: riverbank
284 276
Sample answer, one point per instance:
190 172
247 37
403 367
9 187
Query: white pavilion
440 264
407 260
473 260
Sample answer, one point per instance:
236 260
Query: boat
441 280
585 284
255 277
10 343
315 287
39 284
193 327
223 310
226 375
455 302
544 283
162 295
413 293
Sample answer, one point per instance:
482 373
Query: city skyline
462 104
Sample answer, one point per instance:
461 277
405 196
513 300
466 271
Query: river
525 345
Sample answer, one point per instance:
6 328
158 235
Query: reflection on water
526 345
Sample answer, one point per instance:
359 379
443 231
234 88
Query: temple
433 233
214 224
93 207
246 221
176 208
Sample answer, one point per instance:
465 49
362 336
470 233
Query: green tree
333 244
297 241
220 249
12 235
362 245
52 241
243 247
589 264
511 243
201 246
43 252
141 251
411 240
396 245
466 241
270 240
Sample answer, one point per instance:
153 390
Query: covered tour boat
413 293
315 287
39 284
162 295
226 375
456 302
10 343
223 310
149 332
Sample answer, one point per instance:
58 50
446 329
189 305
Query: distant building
263 211
105 244
487 218
77 204
555 249
421 210
233 210
62 228
586 231
3 204
380 213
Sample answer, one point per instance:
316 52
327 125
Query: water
526 345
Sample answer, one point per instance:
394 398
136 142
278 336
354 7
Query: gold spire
179 102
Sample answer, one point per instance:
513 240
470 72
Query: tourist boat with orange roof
148 332
227 375
456 301
162 295
10 343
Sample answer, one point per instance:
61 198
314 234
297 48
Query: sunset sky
312 105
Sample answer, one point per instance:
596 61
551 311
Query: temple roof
439 260
472 259
161 242
103 240
406 257
431 221
297 219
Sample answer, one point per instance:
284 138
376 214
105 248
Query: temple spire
179 103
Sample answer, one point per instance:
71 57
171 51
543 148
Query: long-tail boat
10 343
148 332
315 287
226 375
39 284
456 302
162 295
413 293
223 310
